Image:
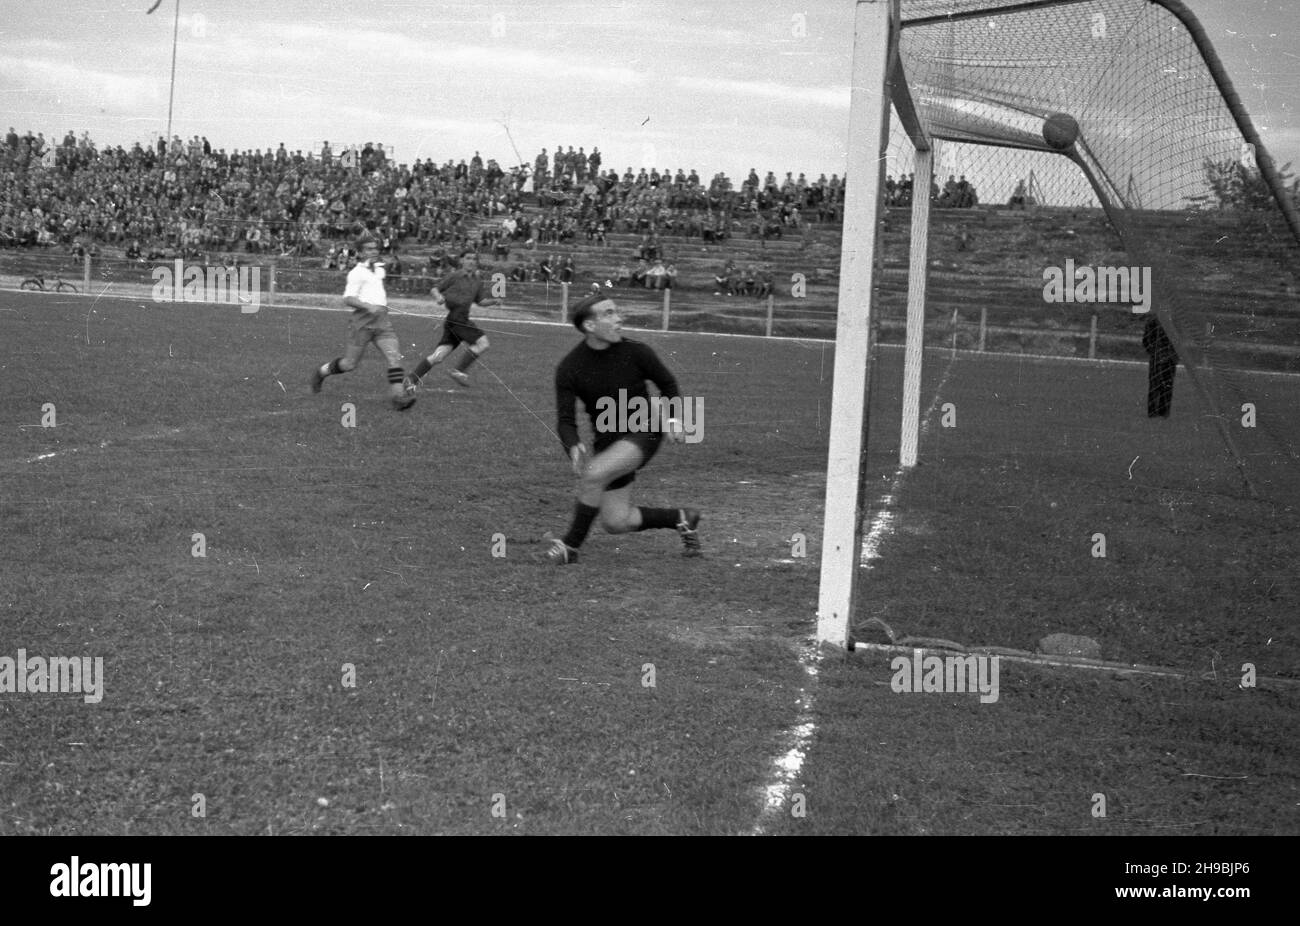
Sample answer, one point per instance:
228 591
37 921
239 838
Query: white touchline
989 354
787 766
159 434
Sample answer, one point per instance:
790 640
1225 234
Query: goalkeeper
602 369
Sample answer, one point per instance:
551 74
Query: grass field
350 657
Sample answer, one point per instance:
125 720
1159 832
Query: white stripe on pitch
787 766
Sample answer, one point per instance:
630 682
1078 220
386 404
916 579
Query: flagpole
171 95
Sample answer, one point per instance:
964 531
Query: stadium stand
188 199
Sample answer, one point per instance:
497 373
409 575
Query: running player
369 324
460 290
605 366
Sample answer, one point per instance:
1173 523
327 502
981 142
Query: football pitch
318 615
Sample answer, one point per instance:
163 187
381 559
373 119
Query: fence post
668 298
564 302
1092 339
954 330
85 273
770 300
984 320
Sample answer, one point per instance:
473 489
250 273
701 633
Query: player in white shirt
366 296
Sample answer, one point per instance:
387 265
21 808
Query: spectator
656 276
723 279
745 286
1018 196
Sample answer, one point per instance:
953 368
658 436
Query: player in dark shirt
460 290
609 375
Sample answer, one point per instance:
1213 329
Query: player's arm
485 298
352 302
352 298
566 422
439 291
654 370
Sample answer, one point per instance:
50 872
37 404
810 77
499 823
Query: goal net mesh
1159 145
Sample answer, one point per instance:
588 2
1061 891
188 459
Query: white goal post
877 80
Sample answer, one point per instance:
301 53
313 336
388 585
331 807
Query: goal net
1170 154
1161 150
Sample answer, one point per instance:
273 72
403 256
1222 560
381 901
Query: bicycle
37 284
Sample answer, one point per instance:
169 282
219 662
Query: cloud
399 57
1283 144
833 97
83 85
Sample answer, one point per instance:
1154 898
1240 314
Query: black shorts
454 332
647 442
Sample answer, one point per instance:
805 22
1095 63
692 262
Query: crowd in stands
956 194
581 199
188 197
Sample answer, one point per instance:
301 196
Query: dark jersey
461 291
591 375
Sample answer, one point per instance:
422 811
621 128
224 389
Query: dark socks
583 515
653 518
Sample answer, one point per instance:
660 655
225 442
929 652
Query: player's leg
477 344
605 489
388 345
619 516
358 338
446 344
616 464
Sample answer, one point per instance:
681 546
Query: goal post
875 42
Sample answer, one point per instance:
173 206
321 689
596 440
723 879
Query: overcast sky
711 84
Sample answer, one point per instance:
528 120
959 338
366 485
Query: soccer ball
1060 131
